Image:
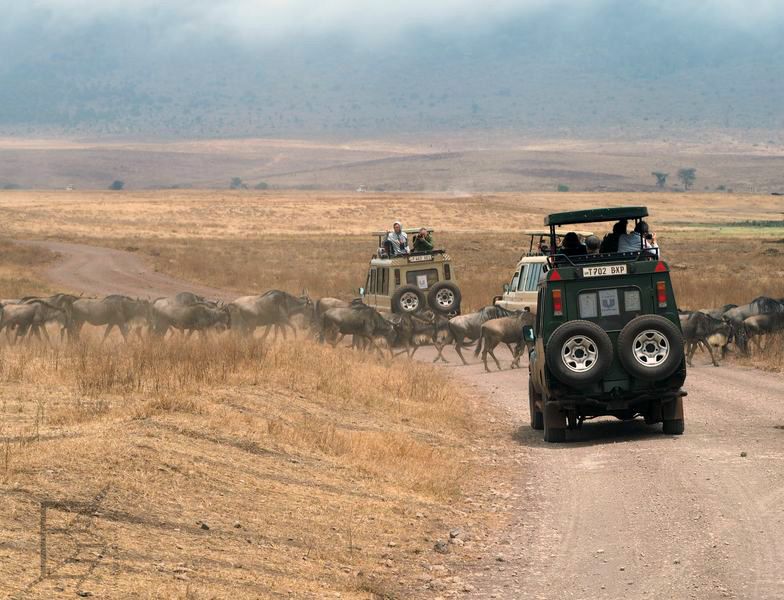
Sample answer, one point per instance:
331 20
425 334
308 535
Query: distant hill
624 67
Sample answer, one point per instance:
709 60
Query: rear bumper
610 403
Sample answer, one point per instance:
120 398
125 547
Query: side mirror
506 287
528 334
362 292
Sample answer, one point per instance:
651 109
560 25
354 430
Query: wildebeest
271 309
759 326
113 311
363 323
168 313
736 316
507 330
717 313
699 328
418 329
469 326
31 317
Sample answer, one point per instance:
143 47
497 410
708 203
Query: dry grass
19 271
322 457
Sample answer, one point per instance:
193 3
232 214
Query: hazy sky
361 20
212 66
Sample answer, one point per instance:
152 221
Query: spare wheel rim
409 302
579 354
651 348
445 298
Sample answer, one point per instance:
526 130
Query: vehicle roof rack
596 215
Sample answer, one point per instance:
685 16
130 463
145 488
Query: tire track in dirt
621 511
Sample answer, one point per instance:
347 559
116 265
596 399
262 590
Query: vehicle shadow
593 433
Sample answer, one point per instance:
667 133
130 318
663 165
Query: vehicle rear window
615 306
423 279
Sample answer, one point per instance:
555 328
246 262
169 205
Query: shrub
117 185
563 188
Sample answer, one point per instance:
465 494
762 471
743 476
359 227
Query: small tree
562 188
236 183
687 177
261 185
117 185
661 178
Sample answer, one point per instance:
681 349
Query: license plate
422 258
604 271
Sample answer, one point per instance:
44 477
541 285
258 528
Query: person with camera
639 239
423 241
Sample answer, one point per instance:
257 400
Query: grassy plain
250 242
317 471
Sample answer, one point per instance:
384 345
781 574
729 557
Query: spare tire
407 300
650 347
444 298
579 353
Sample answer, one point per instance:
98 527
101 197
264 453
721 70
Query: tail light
661 294
447 272
557 303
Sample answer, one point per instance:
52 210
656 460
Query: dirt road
94 270
621 511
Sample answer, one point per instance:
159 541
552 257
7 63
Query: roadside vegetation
235 467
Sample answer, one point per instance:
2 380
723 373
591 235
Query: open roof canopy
596 215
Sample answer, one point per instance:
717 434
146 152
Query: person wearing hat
397 240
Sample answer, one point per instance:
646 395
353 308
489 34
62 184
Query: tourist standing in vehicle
571 245
639 239
398 240
592 244
423 241
610 241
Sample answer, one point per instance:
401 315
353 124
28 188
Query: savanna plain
247 468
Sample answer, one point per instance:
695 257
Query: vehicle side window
372 286
422 279
532 276
385 281
367 282
521 283
515 279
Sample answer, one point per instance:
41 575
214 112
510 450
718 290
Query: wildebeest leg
109 327
508 345
690 349
488 349
710 351
440 349
123 331
266 332
458 346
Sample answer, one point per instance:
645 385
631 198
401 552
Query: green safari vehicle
607 338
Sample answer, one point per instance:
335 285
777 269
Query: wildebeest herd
327 319
743 326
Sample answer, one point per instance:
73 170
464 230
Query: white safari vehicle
520 293
412 282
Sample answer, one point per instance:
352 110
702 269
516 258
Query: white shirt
630 242
399 242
